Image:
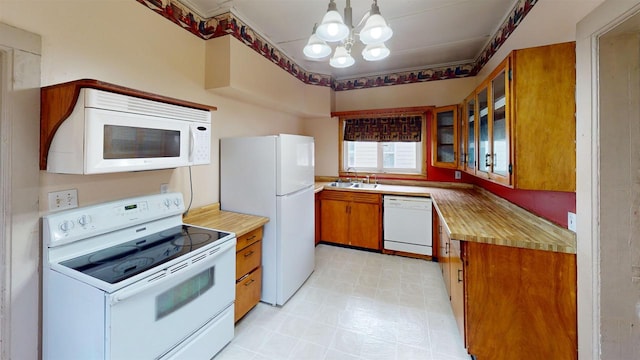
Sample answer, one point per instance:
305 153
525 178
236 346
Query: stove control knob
84 220
167 203
66 225
176 201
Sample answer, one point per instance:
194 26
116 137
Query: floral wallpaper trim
228 24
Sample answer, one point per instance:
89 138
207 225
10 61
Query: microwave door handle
192 143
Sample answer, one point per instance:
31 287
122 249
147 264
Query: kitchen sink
364 186
341 184
351 185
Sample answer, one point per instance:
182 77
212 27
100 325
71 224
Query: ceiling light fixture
333 29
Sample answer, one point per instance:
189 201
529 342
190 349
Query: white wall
19 226
124 43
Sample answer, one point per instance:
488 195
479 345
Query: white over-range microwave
110 132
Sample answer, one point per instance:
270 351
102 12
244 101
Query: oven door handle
196 263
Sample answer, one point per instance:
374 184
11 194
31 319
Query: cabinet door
515 295
317 218
364 225
484 150
445 246
544 85
334 218
470 130
461 137
445 137
457 286
500 124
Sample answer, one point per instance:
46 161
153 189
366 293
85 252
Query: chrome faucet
352 170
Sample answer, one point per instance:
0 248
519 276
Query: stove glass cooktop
123 261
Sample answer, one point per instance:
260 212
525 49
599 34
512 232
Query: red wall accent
551 205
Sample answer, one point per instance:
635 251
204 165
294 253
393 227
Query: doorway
4 170
608 181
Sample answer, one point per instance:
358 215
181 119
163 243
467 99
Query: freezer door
295 242
295 163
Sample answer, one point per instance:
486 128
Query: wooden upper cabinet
544 86
444 140
519 124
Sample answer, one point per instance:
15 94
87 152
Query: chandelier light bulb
376 32
341 58
316 48
375 52
332 27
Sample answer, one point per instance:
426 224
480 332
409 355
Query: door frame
5 211
605 17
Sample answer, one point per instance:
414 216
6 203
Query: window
365 145
384 157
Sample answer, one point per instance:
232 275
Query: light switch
572 222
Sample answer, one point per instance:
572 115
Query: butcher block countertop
210 216
475 215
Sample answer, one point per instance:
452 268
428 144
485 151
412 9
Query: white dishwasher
407 224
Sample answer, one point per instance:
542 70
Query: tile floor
356 305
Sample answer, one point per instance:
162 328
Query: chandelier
333 29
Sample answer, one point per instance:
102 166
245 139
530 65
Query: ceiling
426 33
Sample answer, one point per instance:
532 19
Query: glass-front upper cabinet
470 130
462 141
484 151
500 158
445 137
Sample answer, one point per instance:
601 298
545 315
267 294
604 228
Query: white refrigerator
273 176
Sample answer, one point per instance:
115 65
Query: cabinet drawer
248 259
248 291
355 195
249 238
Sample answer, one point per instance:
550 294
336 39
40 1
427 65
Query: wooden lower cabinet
444 255
456 280
351 218
317 217
248 290
248 272
452 273
519 303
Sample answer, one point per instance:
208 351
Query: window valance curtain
388 129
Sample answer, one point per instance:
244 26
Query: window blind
387 129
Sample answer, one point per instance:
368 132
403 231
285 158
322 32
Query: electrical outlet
164 188
64 199
571 221
458 175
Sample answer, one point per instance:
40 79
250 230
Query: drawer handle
250 282
248 254
251 238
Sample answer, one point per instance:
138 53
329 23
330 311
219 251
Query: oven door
148 318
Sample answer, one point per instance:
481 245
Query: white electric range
128 280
